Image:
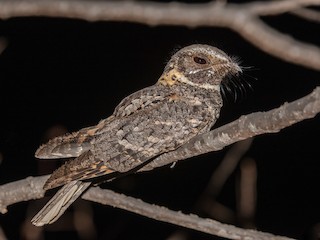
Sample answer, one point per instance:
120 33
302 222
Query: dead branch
279 7
243 128
33 186
19 191
308 14
227 167
277 44
242 18
247 193
159 213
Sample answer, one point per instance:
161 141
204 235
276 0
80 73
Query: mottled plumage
185 102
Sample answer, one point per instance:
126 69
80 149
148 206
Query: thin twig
207 201
276 43
242 18
2 235
308 14
247 193
278 7
227 167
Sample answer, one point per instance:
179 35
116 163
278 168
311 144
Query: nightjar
185 102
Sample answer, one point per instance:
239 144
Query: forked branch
241 18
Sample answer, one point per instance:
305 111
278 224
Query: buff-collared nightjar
184 102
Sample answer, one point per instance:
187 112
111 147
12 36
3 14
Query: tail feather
59 203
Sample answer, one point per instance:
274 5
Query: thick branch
144 12
22 190
159 213
242 18
245 127
31 188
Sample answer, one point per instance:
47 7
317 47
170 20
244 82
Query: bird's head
199 65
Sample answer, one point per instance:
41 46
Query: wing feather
70 144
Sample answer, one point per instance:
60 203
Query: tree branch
278 7
277 44
242 18
141 12
245 127
2 235
22 190
308 14
31 188
108 197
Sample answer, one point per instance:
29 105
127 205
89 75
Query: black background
72 73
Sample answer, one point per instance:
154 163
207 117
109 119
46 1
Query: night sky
60 75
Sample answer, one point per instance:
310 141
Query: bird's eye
199 60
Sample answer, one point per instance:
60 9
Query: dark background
68 74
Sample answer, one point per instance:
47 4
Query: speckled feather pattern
147 123
186 101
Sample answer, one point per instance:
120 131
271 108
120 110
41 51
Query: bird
183 103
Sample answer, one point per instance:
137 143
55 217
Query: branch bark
22 190
241 18
31 188
159 213
245 127
279 7
308 14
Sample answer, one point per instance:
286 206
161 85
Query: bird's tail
59 203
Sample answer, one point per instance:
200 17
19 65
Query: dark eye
199 60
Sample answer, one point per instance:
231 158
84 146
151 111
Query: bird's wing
140 132
76 143
138 137
70 144
85 166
